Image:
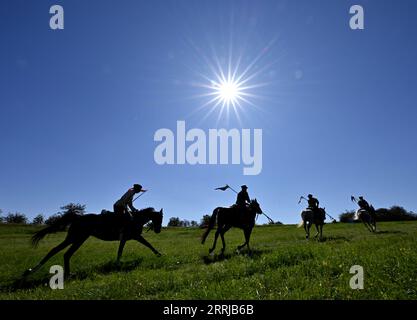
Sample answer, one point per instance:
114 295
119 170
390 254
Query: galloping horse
106 227
309 217
232 217
368 218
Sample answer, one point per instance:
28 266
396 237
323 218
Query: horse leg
317 229
305 229
308 230
67 256
218 231
222 237
147 244
247 237
372 226
120 251
366 223
50 254
246 233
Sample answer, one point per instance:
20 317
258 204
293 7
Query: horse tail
212 222
301 224
58 225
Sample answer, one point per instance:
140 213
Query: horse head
149 214
254 205
157 220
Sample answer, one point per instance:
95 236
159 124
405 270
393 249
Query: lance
143 192
301 198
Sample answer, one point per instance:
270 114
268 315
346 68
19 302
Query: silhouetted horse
232 217
106 227
309 217
368 218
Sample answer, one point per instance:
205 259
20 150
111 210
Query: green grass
283 265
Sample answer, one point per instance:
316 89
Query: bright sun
228 92
232 85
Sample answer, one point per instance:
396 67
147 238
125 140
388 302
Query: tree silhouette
39 219
205 221
73 208
70 208
174 222
347 216
17 217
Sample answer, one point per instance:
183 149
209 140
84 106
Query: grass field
282 265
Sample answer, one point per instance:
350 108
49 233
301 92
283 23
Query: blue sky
79 107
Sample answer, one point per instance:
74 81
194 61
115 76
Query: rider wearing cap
363 204
126 201
313 203
243 199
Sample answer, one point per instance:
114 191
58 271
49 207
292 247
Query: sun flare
233 82
228 92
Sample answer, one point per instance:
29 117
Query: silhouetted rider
243 199
126 201
313 203
363 204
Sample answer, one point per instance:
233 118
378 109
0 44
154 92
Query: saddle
314 210
237 209
371 211
317 212
236 206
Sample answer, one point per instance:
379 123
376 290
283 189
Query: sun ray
231 82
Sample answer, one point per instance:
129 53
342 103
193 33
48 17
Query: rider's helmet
137 187
361 198
310 195
244 187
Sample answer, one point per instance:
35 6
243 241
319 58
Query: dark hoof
158 254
